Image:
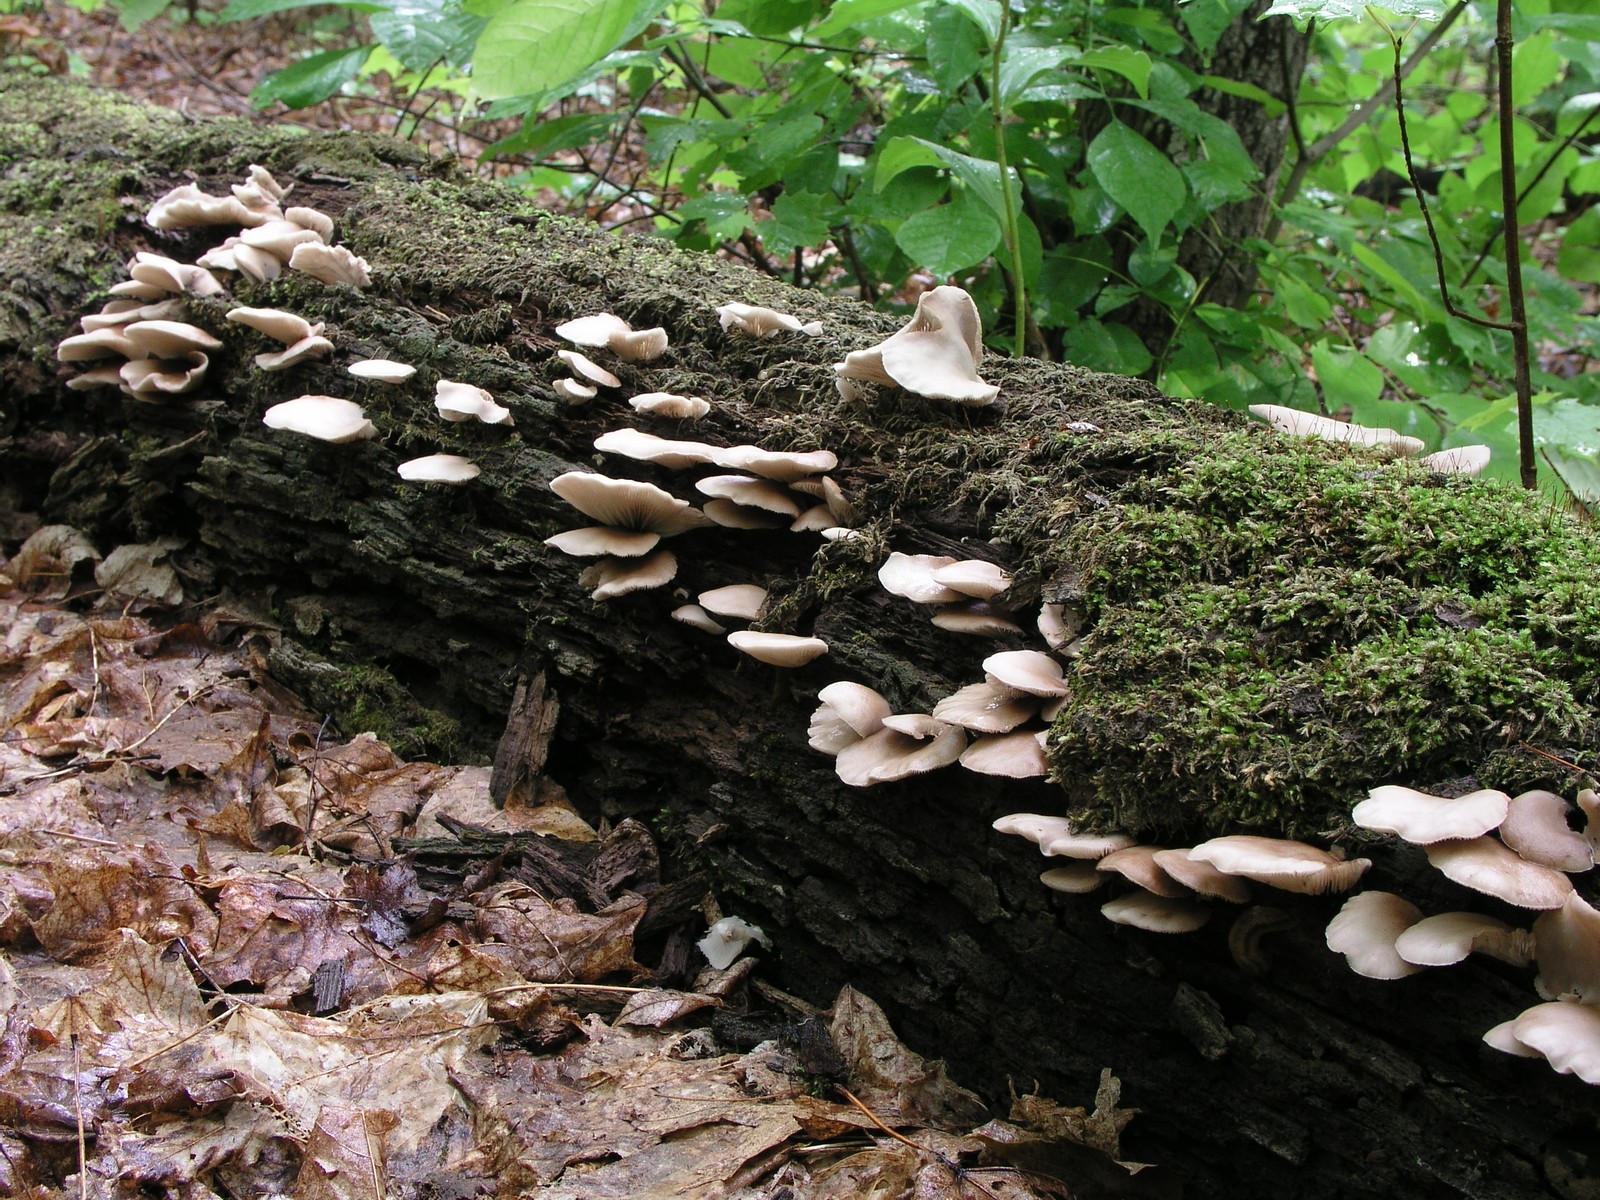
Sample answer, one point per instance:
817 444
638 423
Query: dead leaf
896 1084
658 1006
555 943
344 1158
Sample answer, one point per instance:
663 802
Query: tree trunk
428 607
1272 55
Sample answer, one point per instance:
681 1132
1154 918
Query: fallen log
1268 628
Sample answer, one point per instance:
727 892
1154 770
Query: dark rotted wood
1300 1077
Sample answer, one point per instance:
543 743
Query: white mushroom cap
168 339
639 345
313 219
1012 755
911 576
1589 804
595 331
627 503
1156 914
158 270
731 515
1446 938
260 189
1288 865
754 321
1071 844
1076 878
1297 423
1567 1035
889 755
727 939
325 417
114 314
1536 828
97 344
785 466
305 350
751 493
98 377
1030 671
438 468
975 618
574 392
1484 865
670 404
813 520
597 540
1460 460
1202 877
1502 1039
331 264
1039 829
647 447
1365 931
1567 949
1137 864
741 601
985 708
164 376
613 577
698 618
1423 819
935 355
383 370
457 401
974 577
135 290
858 706
280 238
187 207
285 327
251 261
582 364
779 649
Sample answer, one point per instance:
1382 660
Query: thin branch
696 80
1422 200
1319 149
1520 352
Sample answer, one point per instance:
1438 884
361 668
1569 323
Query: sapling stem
1019 287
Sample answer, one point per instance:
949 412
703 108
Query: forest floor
241 956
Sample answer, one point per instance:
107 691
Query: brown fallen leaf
898 1085
344 1158
553 942
657 1007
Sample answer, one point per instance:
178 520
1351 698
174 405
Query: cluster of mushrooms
1459 460
1380 934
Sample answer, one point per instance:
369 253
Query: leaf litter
238 960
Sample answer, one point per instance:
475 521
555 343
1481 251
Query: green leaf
1208 20
1246 91
1341 10
1023 64
1349 379
424 33
798 219
1132 65
247 10
951 237
541 138
955 48
538 45
726 214
1580 473
1106 346
131 14
1580 249
1137 176
979 174
312 80
985 14
848 13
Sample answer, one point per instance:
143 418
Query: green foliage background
859 143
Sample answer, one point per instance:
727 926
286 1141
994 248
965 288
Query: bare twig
1521 355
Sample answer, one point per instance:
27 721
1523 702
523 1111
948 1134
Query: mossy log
1271 627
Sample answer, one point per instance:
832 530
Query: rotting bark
428 607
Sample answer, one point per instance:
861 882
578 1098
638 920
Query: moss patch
1279 625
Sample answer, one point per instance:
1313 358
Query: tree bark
446 607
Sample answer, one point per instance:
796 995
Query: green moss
365 697
1279 625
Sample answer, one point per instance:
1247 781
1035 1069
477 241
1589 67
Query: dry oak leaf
98 894
553 942
896 1084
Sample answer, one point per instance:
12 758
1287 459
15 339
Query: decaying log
437 612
